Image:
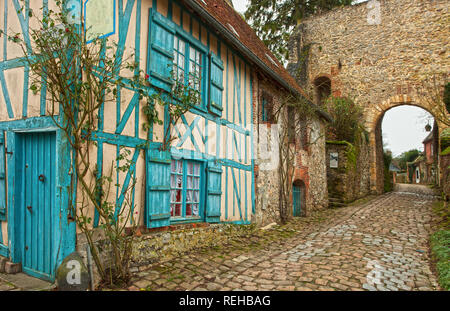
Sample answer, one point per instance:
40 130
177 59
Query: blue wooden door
297 200
37 203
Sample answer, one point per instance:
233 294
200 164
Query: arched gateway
378 63
374 118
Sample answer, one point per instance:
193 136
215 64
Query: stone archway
374 118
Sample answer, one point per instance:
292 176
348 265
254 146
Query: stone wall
379 65
316 160
350 180
309 162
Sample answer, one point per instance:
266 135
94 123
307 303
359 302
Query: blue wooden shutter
160 55
2 178
158 186
213 192
215 84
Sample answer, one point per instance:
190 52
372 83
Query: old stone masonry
377 245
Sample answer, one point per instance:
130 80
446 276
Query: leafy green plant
347 118
440 244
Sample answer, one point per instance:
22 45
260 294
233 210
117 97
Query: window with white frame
185 186
188 64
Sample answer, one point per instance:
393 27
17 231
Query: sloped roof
429 137
394 168
238 27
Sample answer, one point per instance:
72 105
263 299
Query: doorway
298 198
36 212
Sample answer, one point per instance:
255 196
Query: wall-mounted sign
99 19
334 157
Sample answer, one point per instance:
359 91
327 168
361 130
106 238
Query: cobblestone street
378 245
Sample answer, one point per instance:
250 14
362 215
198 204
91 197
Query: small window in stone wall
267 109
323 89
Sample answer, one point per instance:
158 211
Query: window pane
196 183
189 182
196 196
194 209
181 45
181 61
177 210
190 168
178 195
197 170
189 196
173 196
188 210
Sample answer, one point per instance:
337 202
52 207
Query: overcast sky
403 127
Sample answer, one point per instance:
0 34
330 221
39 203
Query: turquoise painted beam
6 95
127 114
126 182
236 192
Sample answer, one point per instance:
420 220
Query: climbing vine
182 98
295 117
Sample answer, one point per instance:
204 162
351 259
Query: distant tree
273 20
407 156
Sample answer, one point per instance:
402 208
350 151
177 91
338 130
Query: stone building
306 144
376 53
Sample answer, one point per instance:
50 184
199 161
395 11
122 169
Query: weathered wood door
37 211
297 200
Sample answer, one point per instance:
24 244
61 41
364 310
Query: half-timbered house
208 175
